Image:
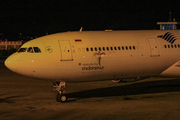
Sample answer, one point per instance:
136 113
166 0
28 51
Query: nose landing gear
60 87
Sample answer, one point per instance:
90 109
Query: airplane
98 55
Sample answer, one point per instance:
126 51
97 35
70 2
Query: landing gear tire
61 98
117 81
60 88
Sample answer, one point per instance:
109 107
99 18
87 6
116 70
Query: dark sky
52 16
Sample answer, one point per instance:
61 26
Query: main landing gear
60 87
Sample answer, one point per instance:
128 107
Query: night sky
52 16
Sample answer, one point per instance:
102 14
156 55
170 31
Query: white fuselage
100 55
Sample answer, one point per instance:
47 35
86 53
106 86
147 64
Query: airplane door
153 47
65 49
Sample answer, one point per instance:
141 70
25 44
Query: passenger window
95 49
91 49
168 46
122 47
36 50
22 50
87 49
30 50
119 48
103 48
126 48
99 48
172 46
175 46
130 47
115 48
111 48
178 46
134 47
107 48
164 46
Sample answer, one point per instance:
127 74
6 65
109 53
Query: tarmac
25 98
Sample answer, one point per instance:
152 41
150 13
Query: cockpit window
22 50
36 50
30 50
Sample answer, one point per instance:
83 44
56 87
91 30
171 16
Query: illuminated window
37 50
162 27
22 50
87 49
30 50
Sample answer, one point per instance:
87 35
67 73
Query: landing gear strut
60 87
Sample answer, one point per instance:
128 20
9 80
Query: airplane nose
7 62
10 63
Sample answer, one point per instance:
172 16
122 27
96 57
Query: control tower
170 25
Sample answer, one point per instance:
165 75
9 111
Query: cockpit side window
30 50
37 50
22 50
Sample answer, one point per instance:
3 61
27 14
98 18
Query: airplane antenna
170 20
81 29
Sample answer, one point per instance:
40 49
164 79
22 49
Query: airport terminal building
10 44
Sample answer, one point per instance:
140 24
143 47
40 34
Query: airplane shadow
7 99
131 89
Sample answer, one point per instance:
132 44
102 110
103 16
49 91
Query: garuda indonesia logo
98 56
168 37
95 66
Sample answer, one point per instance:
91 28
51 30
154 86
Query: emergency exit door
154 49
65 50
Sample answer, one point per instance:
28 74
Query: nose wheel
61 98
60 87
